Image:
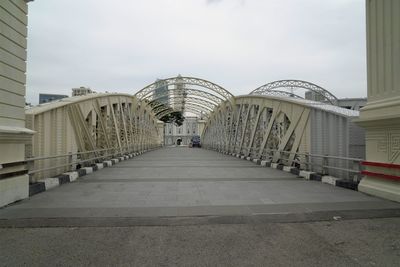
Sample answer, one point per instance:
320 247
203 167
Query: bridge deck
183 181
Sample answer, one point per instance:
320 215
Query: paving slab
172 182
336 243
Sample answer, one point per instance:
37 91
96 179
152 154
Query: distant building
348 103
82 91
311 95
184 133
161 92
352 103
179 94
45 98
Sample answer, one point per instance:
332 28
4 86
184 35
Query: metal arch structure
269 88
119 123
281 130
191 109
281 93
255 125
198 94
203 104
189 91
219 90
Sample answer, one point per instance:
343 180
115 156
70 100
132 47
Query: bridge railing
51 166
342 167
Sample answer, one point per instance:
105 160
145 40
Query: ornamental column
381 116
14 181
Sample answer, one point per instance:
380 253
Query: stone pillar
14 181
161 133
201 124
381 116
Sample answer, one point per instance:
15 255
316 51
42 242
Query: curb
307 175
68 177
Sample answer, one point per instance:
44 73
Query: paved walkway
190 182
193 207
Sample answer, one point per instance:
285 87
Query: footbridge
271 126
83 180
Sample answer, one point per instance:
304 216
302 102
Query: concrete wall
381 116
13 32
13 135
335 135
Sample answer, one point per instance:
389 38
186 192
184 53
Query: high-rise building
45 98
160 94
179 94
348 103
82 91
352 103
311 95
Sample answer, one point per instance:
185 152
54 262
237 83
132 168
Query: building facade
82 91
381 116
348 103
352 103
160 94
311 95
173 135
177 98
45 98
14 180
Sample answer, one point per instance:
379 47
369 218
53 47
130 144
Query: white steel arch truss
260 127
181 102
219 90
189 92
271 89
116 123
189 108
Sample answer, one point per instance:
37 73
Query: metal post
325 162
308 161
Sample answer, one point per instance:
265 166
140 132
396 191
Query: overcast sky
123 45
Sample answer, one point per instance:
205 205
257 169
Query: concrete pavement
367 242
193 207
185 181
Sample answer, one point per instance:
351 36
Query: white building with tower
181 135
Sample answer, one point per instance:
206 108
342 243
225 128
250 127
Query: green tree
174 117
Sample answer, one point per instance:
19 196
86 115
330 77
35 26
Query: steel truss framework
189 91
271 89
203 105
191 109
185 98
258 125
117 122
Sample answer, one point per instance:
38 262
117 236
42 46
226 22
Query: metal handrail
266 154
77 153
65 165
119 151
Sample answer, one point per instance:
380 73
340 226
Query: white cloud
123 45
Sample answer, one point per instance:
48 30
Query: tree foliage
174 117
